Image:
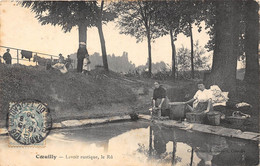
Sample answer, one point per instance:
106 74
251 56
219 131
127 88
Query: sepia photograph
129 83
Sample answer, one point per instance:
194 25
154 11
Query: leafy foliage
168 13
200 62
62 13
209 16
137 18
191 12
68 14
210 20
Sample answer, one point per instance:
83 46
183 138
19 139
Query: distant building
118 64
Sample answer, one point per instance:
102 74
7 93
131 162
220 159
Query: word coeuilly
49 156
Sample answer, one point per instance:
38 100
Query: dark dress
158 95
82 52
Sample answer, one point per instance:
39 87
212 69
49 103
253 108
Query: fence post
35 59
17 57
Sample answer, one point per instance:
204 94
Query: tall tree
81 14
168 15
191 13
137 18
103 14
209 16
226 49
251 42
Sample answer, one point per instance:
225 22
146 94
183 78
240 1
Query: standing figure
81 54
7 57
86 65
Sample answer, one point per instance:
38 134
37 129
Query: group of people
8 59
67 62
202 100
83 65
62 65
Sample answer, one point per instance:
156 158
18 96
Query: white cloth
218 97
86 64
202 96
243 104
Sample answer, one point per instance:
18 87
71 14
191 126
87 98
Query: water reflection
204 149
136 143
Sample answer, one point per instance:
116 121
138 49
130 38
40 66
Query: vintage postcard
132 83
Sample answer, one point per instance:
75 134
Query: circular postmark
29 122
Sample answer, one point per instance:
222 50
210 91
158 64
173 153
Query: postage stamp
29 123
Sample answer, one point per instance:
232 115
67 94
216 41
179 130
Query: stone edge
77 123
217 130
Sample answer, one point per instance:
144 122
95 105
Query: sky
20 29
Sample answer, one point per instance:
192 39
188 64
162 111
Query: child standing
86 65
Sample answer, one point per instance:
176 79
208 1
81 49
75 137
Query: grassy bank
70 95
78 96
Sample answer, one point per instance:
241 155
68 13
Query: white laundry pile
243 104
61 67
218 97
221 98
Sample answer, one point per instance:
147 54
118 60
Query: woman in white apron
86 65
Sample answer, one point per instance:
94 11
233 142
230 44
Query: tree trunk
149 53
174 152
251 52
103 46
191 53
83 33
150 141
102 39
191 157
82 38
173 55
251 42
224 66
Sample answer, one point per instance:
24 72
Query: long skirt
202 106
165 106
